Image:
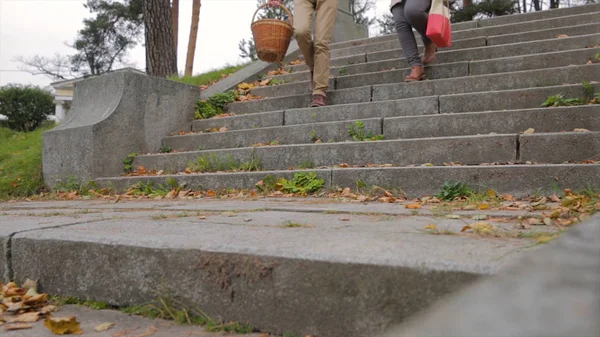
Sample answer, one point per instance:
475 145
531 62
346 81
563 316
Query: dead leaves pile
21 306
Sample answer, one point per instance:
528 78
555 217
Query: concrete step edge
516 179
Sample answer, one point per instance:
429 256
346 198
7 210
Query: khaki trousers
317 53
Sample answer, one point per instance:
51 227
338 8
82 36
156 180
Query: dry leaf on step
529 131
17 326
29 317
104 326
149 332
63 325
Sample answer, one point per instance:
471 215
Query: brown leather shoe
318 100
430 51
417 73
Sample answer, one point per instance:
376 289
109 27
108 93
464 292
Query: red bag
438 24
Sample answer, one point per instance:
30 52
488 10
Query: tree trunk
189 63
175 19
160 50
524 6
467 3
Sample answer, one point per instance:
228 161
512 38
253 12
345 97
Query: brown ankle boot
429 55
416 74
318 100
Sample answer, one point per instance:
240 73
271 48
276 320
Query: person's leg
303 12
417 13
324 24
408 42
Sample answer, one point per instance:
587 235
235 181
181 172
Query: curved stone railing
113 115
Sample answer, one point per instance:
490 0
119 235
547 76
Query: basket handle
280 5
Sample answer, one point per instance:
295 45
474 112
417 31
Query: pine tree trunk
175 14
189 63
160 50
467 3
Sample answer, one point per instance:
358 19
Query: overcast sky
29 27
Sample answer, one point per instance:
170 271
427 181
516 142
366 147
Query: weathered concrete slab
125 325
503 121
550 33
507 99
208 181
296 134
538 15
534 25
564 147
353 95
406 107
287 89
485 83
305 270
525 294
518 180
113 115
467 150
248 121
507 50
448 70
535 61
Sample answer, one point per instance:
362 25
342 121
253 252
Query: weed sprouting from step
74 184
128 161
173 310
357 131
307 164
454 190
302 183
215 163
313 137
65 300
293 224
215 105
164 149
589 97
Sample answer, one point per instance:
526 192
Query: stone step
468 150
543 120
506 50
478 83
401 62
457 85
295 134
444 125
442 71
240 271
570 25
474 102
518 180
487 22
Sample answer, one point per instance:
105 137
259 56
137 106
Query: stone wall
113 115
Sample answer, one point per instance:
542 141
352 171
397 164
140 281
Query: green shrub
25 106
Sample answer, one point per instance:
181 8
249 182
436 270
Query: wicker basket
272 36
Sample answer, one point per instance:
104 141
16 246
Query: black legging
409 14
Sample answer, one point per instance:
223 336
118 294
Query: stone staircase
465 123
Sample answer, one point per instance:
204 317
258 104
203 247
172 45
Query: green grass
210 76
21 162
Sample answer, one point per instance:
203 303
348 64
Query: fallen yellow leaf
483 206
431 227
63 325
413 206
